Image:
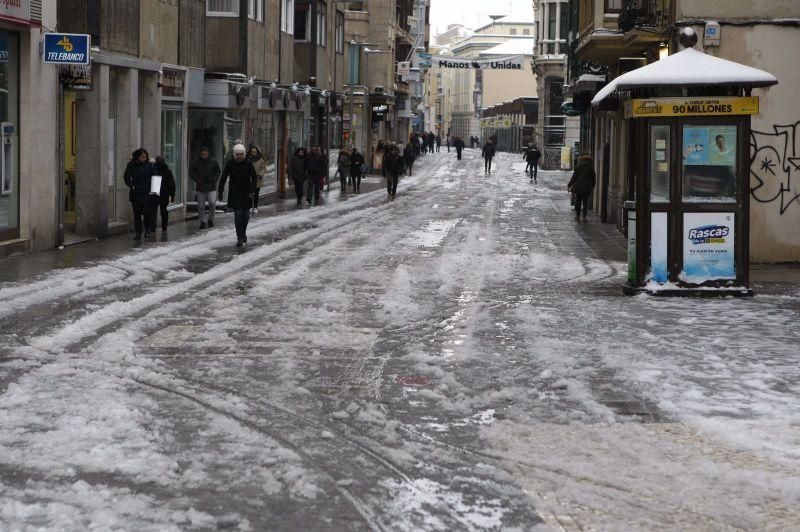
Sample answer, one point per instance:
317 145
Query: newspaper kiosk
688 224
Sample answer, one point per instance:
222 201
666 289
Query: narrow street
459 359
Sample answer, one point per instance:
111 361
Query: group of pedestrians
350 168
424 143
146 202
244 173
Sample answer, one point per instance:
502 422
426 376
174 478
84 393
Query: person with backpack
488 154
356 165
532 156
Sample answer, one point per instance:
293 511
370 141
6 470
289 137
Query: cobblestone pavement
459 359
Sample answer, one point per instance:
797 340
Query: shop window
659 163
222 8
9 113
709 163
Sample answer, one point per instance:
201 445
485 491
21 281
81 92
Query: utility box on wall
711 36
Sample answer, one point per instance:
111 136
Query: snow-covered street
459 359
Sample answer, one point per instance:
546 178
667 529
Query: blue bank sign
66 48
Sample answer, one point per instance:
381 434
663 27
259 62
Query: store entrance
70 161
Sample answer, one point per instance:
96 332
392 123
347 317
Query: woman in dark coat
167 194
356 163
138 175
243 178
582 184
298 173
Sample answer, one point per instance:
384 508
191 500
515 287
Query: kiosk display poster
658 247
722 146
708 252
695 146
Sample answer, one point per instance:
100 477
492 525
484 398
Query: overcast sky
473 13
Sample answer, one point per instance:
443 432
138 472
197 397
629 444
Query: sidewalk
24 267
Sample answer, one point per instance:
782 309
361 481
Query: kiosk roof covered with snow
688 67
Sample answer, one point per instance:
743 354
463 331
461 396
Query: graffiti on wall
775 166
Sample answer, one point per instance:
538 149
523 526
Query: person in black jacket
582 184
459 144
488 154
393 162
409 158
317 169
138 175
167 194
532 156
205 174
243 177
356 163
298 173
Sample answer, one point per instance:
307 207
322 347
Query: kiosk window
659 163
709 163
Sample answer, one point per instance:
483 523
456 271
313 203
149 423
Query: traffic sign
67 48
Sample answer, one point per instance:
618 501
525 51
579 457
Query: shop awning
688 67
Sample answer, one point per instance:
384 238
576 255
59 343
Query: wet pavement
459 359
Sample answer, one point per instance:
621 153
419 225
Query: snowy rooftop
689 67
511 47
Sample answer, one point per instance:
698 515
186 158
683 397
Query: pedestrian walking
260 164
243 179
448 143
488 154
438 143
459 144
343 168
167 193
138 175
409 158
582 184
298 173
316 168
205 173
532 156
356 168
394 167
431 141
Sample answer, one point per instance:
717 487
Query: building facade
29 177
613 37
555 130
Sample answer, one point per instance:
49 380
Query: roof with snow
688 67
511 47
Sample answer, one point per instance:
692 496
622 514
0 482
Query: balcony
639 25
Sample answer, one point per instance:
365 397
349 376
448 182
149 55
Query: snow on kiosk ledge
688 67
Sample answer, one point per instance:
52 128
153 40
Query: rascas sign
721 106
